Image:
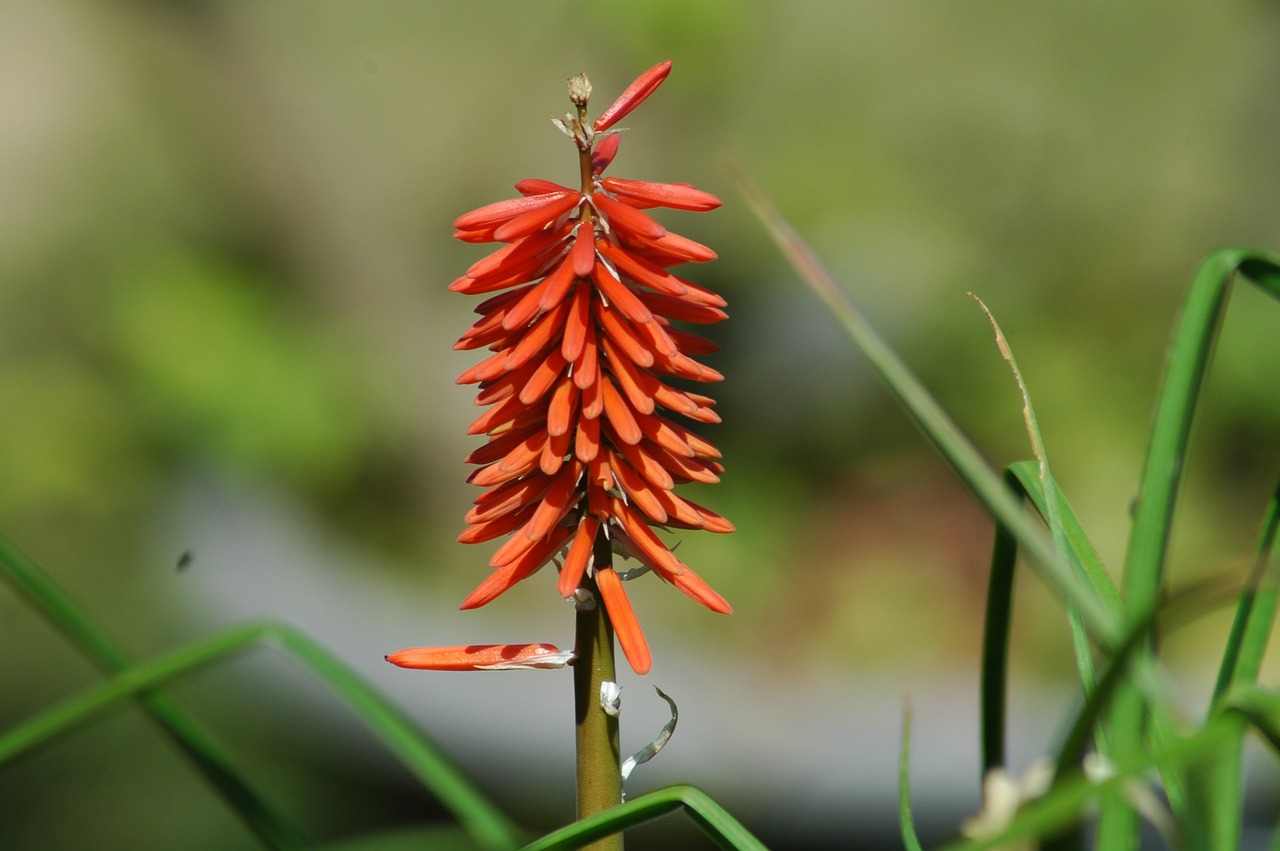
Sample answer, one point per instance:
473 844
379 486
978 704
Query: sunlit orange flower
582 444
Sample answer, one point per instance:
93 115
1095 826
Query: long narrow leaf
1185 370
1049 508
1221 782
199 746
1024 478
712 818
487 826
1067 802
1083 555
1255 615
997 620
906 823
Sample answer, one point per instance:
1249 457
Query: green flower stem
599 774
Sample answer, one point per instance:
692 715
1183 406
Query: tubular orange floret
578 556
582 257
625 623
627 220
501 212
620 297
672 250
606 150
677 196
538 186
538 218
580 320
633 96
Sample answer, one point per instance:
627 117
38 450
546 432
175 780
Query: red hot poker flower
583 453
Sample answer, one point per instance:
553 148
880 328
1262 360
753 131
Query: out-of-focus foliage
224 248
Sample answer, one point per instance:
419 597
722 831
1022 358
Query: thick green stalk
599 774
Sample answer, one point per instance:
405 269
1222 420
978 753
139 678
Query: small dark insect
184 560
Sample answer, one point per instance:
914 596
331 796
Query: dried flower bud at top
579 90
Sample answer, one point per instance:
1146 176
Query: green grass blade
1024 477
1049 509
933 422
1187 363
1069 800
79 709
1071 755
1220 785
1083 555
1255 614
906 823
1261 708
997 620
487 826
199 746
713 819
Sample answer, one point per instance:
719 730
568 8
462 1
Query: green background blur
224 253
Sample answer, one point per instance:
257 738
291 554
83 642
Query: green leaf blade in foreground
1221 782
906 822
1185 369
1049 510
702 810
195 742
1024 480
1255 615
488 826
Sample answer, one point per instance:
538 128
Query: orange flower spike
482 657
580 323
632 96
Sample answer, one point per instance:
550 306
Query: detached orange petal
482 657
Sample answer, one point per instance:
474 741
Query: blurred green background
224 329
